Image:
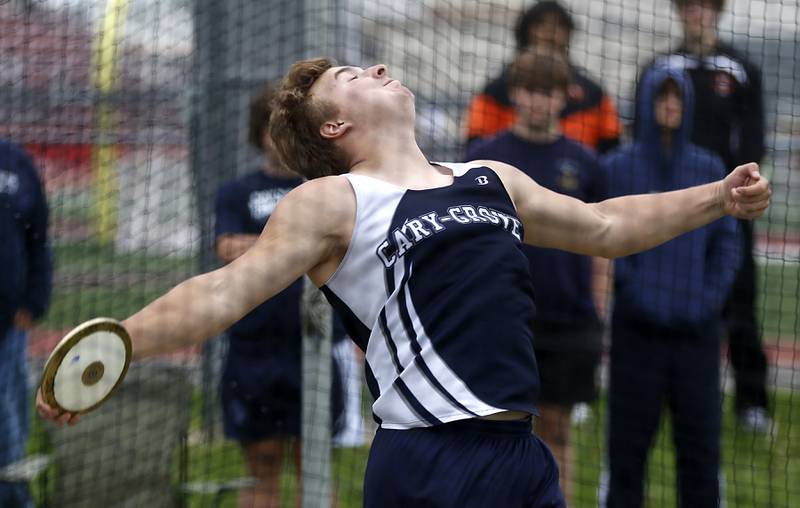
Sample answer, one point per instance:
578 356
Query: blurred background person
261 380
667 314
567 329
25 284
589 115
349 360
728 120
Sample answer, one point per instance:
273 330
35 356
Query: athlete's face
699 20
538 109
669 107
365 99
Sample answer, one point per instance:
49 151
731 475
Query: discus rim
65 345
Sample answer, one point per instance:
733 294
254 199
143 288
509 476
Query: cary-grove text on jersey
402 239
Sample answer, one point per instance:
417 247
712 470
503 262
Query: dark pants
261 390
464 464
652 367
744 340
15 400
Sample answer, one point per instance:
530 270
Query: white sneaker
581 413
756 419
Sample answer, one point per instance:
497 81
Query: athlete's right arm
307 229
307 233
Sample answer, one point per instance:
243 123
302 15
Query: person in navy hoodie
730 120
567 330
25 285
667 316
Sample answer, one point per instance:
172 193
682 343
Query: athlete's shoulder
496 166
326 187
512 178
322 200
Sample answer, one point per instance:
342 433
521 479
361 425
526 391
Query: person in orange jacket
589 116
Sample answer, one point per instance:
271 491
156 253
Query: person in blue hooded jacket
25 285
667 317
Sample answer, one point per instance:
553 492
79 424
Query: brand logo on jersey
482 180
413 231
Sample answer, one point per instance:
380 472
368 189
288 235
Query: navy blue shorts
260 391
469 463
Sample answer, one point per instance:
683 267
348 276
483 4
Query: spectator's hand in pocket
23 320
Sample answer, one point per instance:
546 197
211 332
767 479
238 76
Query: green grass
777 304
222 461
760 470
94 258
783 215
69 308
93 282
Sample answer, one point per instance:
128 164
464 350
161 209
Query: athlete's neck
399 161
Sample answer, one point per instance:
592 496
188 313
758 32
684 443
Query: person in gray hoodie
667 317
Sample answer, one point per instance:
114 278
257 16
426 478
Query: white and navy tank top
436 290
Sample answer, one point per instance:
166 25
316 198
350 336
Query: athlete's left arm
629 224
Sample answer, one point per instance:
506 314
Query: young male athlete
424 263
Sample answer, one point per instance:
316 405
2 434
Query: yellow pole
105 55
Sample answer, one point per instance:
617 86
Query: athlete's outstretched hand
55 415
745 192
